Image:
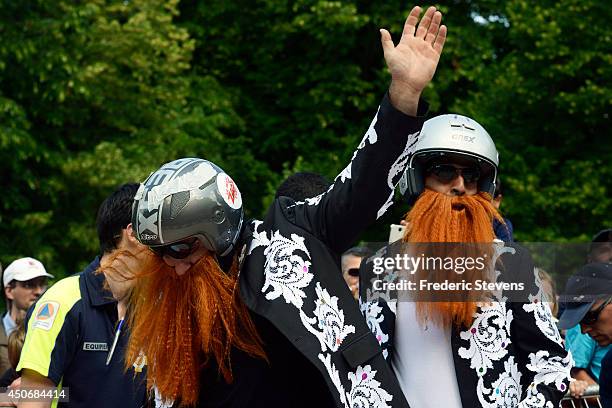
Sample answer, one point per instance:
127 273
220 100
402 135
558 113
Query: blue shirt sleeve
581 346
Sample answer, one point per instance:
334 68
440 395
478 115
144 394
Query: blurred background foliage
94 94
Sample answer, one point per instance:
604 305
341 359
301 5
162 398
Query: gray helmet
446 137
188 198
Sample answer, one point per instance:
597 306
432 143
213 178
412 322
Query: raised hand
413 61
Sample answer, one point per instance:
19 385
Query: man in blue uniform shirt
75 335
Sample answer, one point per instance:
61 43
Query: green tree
93 95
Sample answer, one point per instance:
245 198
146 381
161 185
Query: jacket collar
98 295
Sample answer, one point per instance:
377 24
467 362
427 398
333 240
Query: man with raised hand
232 313
484 346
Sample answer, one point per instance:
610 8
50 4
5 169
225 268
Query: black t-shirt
287 380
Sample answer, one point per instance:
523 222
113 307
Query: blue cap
591 283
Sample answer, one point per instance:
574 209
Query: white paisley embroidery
396 170
333 374
285 271
543 319
551 369
370 136
366 391
489 337
535 399
330 329
505 391
374 317
541 311
346 172
259 238
315 200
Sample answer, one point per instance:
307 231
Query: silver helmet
446 137
188 198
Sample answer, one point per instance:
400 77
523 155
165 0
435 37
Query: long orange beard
437 218
180 322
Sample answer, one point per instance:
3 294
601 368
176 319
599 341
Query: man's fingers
433 27
386 41
440 39
425 22
411 21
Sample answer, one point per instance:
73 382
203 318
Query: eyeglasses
447 173
178 250
592 315
353 272
33 284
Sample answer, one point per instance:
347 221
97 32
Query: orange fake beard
438 218
182 322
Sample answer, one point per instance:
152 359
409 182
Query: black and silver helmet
446 137
188 198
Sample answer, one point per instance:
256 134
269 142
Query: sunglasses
447 173
592 315
353 272
178 250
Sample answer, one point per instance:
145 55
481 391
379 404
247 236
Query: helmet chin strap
225 261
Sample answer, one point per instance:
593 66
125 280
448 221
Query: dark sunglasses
447 173
592 315
178 250
353 272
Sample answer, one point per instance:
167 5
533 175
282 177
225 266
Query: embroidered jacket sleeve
539 347
364 190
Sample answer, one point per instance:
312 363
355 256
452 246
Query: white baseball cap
24 269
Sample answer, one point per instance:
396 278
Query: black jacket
511 355
291 278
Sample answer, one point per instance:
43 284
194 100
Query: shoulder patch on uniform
45 315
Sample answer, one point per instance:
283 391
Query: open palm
414 60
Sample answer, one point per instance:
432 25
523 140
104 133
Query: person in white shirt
25 280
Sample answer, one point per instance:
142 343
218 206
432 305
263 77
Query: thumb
386 41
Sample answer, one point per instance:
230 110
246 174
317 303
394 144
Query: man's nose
458 186
585 329
38 290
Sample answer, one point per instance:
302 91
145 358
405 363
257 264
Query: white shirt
423 361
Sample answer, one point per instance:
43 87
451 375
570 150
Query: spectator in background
74 333
15 344
600 249
302 185
587 355
351 259
588 297
24 281
550 290
505 230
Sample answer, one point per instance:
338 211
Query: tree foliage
97 93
